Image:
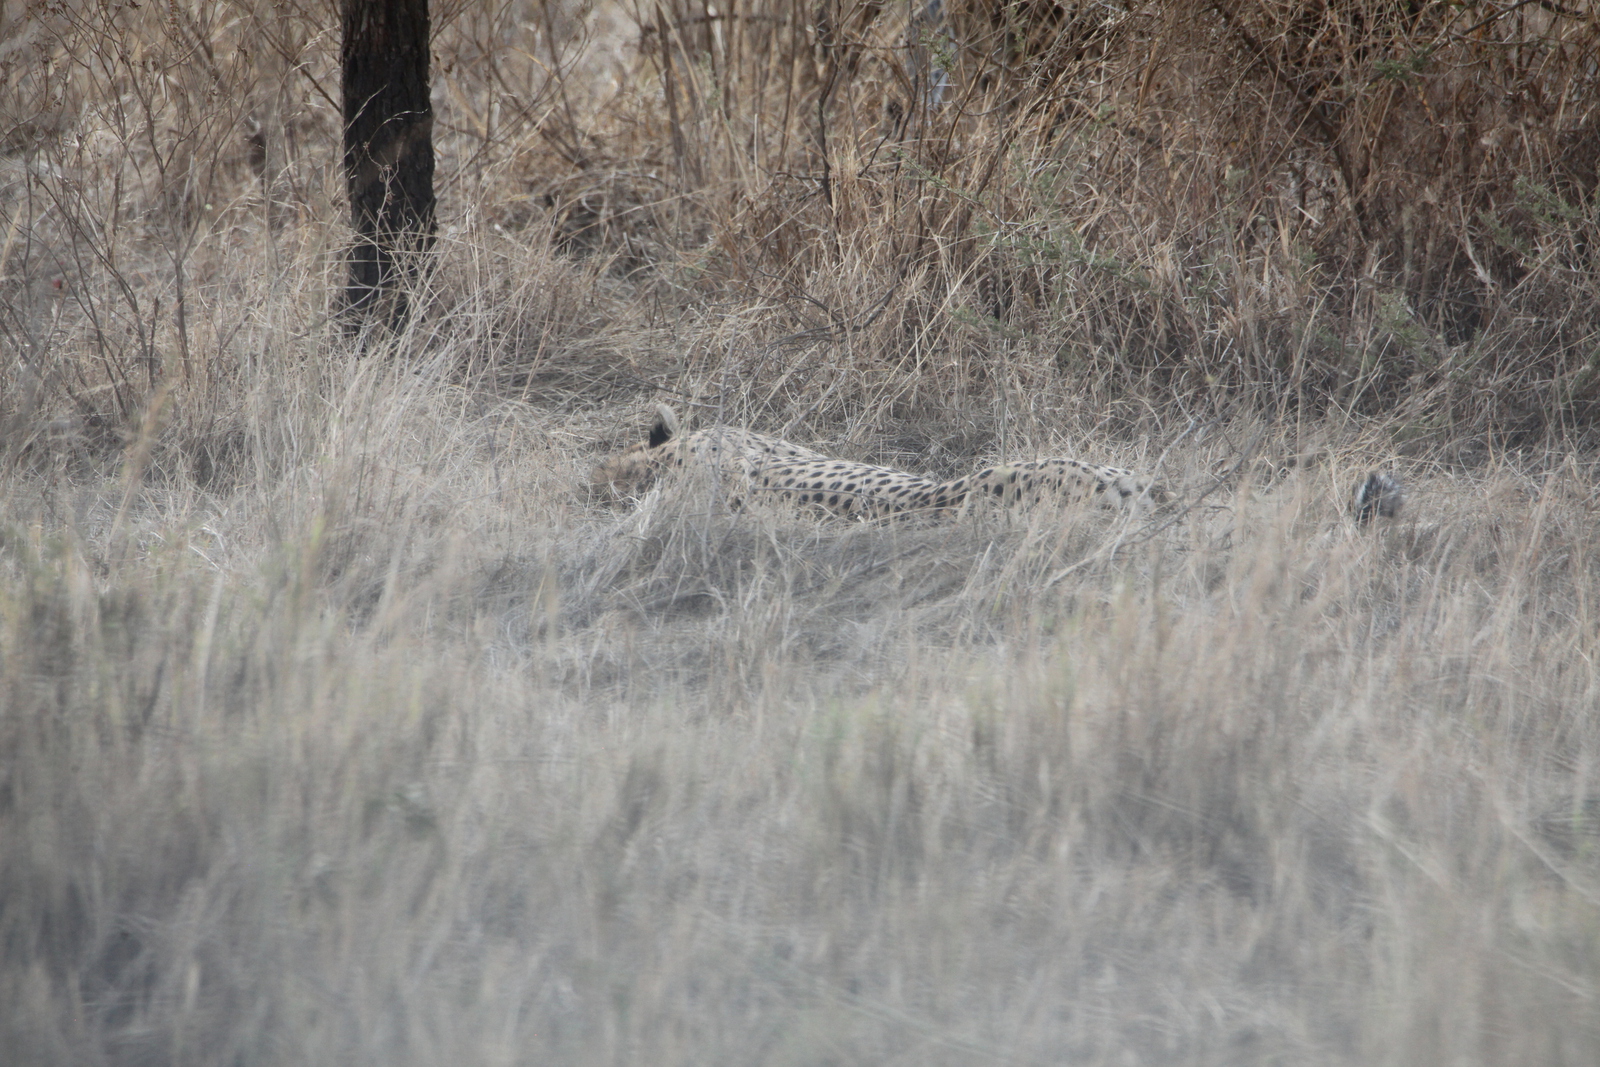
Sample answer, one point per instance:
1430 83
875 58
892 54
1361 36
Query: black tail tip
1379 495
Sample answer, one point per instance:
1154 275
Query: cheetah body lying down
755 463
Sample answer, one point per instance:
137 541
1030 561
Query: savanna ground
340 724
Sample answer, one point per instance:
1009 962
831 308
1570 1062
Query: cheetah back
770 467
856 489
1047 480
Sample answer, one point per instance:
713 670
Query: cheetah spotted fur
761 465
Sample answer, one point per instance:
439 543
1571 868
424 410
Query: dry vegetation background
339 725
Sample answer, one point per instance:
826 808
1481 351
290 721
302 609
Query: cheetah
762 465
736 451
1378 495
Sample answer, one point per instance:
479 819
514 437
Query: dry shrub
1362 202
908 211
146 144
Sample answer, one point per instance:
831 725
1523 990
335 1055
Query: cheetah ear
665 428
1378 495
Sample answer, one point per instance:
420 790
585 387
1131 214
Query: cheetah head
632 469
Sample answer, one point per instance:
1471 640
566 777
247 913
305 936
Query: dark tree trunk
388 150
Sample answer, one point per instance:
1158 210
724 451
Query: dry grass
338 724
